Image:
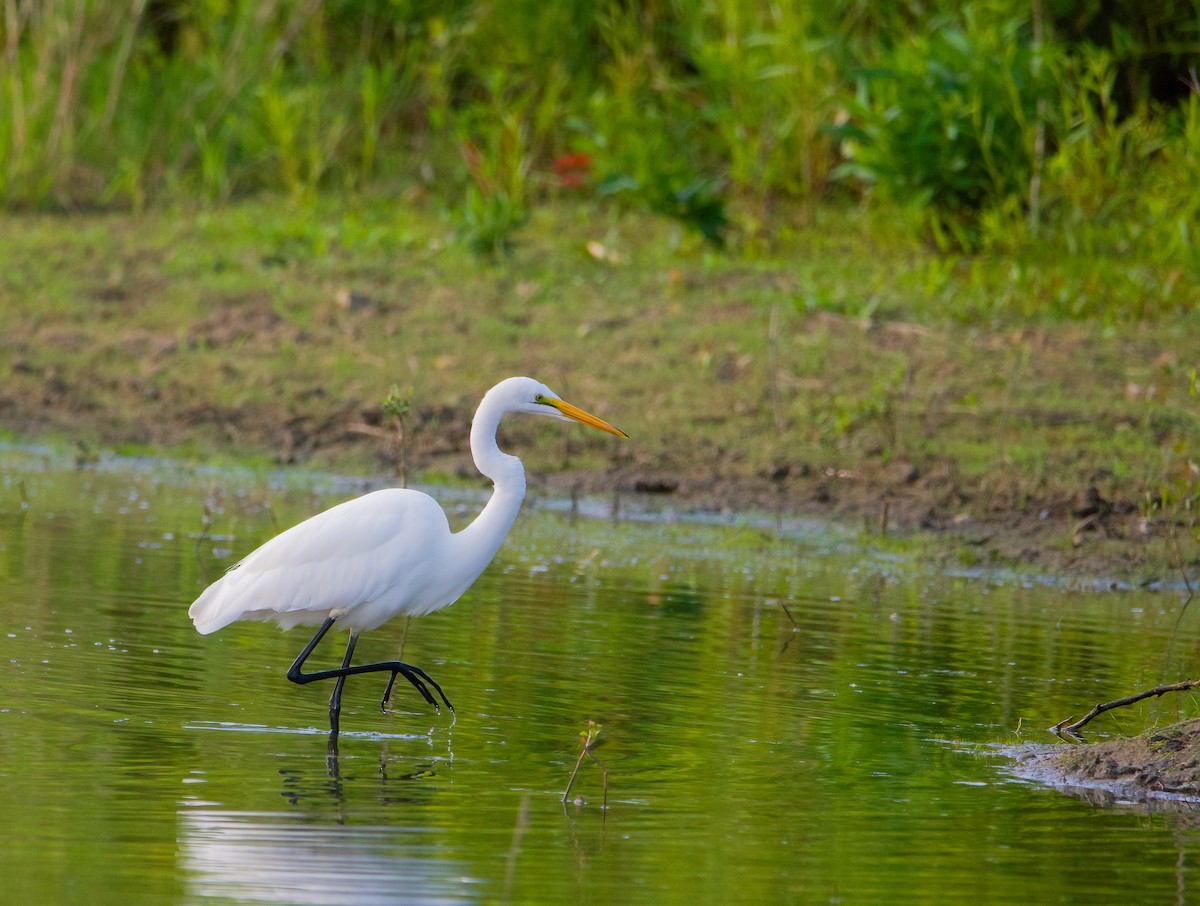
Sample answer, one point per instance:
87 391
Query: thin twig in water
403 640
1186 583
588 738
1178 562
207 511
1068 728
795 628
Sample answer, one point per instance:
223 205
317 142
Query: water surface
787 716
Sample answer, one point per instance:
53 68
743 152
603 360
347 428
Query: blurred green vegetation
992 124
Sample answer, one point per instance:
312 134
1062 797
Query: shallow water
787 717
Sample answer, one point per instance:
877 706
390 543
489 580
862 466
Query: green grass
224 329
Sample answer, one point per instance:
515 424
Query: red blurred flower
572 169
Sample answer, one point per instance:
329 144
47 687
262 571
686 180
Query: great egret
389 552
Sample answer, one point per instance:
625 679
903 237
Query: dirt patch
236 320
1056 533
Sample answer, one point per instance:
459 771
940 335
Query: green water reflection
844 757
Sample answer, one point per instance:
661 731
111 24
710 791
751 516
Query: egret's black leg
294 673
335 700
415 675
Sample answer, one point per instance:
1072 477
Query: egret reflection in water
281 857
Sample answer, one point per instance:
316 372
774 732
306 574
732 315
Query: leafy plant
976 118
945 126
493 134
769 86
1123 180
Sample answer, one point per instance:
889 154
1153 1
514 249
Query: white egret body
389 552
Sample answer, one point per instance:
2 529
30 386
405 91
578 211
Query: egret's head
527 395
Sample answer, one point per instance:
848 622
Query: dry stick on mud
1066 728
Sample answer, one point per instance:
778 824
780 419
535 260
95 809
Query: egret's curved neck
480 540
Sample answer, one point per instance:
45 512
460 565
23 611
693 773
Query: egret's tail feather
207 613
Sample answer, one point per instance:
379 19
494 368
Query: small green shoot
397 406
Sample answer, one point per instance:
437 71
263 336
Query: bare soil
1071 530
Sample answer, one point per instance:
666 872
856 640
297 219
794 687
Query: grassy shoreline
835 372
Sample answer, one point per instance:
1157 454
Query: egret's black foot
418 679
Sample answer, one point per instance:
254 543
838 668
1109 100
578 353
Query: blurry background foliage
988 123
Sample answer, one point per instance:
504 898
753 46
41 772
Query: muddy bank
1159 766
1069 528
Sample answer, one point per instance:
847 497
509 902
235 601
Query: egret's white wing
363 561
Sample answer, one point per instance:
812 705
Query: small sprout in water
84 455
398 405
587 739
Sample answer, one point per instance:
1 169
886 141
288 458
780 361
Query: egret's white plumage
390 552
360 561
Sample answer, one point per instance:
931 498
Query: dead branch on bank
1067 728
